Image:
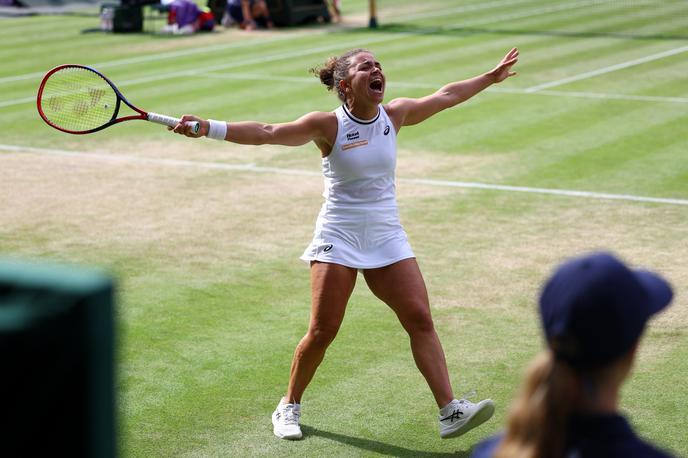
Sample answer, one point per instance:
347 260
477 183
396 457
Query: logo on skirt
327 248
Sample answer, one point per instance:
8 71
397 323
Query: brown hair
335 70
551 391
538 419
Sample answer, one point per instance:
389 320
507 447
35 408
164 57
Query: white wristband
217 129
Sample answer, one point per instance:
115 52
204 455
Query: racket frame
146 116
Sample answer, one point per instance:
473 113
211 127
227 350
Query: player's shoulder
394 104
321 121
320 117
396 110
323 124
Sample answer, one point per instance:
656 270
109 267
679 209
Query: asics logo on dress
327 248
386 130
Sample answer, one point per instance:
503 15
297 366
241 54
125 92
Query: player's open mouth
376 85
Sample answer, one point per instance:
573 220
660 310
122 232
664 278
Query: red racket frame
114 120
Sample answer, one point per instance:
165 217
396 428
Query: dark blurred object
138 2
57 347
218 8
297 12
372 7
128 18
121 18
49 5
15 3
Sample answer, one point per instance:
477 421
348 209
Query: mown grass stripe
215 48
171 55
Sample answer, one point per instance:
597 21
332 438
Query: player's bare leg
331 287
401 286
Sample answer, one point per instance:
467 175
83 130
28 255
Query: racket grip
170 121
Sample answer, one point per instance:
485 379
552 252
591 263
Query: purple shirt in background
186 12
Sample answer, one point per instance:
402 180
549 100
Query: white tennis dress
358 225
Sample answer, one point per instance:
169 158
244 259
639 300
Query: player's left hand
503 70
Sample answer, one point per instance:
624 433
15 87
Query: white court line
609 69
594 95
402 84
155 161
286 171
557 192
9 103
432 86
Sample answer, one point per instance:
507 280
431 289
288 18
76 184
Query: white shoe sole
296 436
478 418
289 437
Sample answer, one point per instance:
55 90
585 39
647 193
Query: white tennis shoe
459 417
285 421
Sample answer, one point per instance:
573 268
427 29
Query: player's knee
322 335
418 320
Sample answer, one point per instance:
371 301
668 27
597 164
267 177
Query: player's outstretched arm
320 127
407 111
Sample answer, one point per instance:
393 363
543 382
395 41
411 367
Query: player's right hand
185 126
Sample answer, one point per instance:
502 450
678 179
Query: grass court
585 149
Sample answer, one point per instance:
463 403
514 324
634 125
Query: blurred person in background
593 311
249 14
185 17
334 7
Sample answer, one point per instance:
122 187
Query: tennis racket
80 100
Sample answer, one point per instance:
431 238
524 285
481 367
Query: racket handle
170 121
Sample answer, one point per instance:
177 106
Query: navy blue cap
594 308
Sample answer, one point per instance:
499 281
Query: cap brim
659 292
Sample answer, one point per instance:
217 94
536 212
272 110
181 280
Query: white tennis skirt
358 238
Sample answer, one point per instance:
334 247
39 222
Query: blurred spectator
335 10
185 17
593 312
249 14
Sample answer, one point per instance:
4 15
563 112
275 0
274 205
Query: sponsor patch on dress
354 144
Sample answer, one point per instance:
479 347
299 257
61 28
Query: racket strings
78 99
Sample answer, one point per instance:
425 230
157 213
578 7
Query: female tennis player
358 226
